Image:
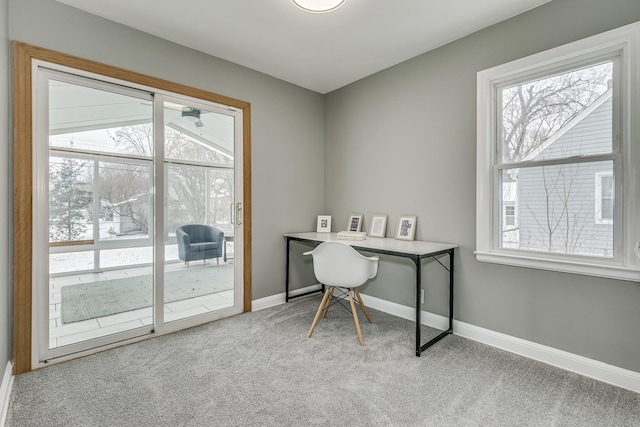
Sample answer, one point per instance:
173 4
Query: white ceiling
321 52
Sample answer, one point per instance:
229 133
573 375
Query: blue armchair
198 241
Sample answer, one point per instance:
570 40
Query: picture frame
378 226
324 224
355 222
406 227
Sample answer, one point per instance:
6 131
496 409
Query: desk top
377 244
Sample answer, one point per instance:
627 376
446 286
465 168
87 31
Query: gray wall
403 141
5 190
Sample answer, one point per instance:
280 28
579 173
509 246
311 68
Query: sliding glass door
135 229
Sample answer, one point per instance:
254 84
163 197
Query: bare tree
532 112
137 139
563 224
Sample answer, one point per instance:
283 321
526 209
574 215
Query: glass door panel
199 275
99 286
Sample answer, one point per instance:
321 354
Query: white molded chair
338 265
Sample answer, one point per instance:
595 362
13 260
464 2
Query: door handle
238 213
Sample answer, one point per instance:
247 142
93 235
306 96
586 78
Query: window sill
561 265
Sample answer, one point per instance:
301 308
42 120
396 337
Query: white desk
414 250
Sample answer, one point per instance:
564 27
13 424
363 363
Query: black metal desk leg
448 331
451 291
286 280
418 308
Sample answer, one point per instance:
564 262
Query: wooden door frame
23 57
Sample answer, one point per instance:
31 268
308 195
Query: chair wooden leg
326 308
315 320
355 318
217 261
364 309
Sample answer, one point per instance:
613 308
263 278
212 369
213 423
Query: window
509 216
604 200
547 124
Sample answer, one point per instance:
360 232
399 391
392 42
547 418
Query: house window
604 200
509 216
547 124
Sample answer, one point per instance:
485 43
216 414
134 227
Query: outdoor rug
97 299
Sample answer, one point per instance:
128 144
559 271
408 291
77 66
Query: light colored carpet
106 297
259 369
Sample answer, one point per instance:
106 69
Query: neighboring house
567 208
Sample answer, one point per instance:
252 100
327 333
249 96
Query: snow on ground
71 262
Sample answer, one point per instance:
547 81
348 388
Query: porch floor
61 334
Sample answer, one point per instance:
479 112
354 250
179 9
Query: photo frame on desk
378 226
355 222
324 224
406 227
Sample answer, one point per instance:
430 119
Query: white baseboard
5 392
406 312
262 303
571 362
562 359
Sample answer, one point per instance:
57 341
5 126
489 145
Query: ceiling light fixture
318 6
193 113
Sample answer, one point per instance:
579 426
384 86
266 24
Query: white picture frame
355 222
406 227
378 226
324 224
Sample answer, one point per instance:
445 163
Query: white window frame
598 198
625 265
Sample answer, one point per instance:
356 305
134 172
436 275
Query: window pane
70 262
125 257
607 209
221 199
607 186
568 114
510 233
556 206
124 191
85 118
510 216
604 198
70 200
198 135
186 196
